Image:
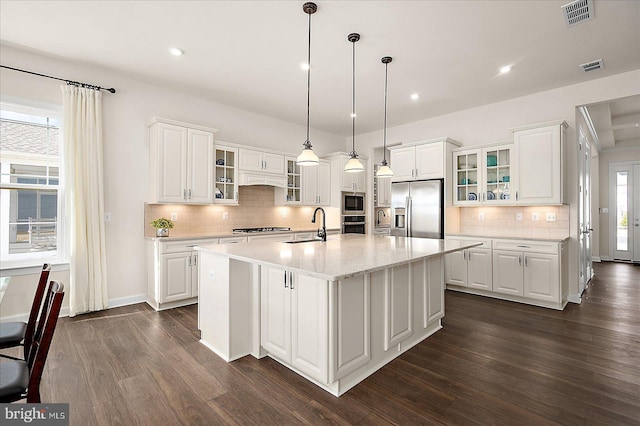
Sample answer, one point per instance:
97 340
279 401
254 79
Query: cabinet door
434 291
430 161
403 163
542 277
176 277
323 188
507 272
350 181
250 160
310 185
467 178
273 163
398 306
309 325
275 313
226 175
200 167
480 269
496 175
537 172
172 163
194 274
384 192
456 268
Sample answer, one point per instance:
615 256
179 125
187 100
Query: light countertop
341 256
509 237
183 237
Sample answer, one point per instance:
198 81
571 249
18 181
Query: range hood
255 178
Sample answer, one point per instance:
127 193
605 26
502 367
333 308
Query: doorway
584 211
624 211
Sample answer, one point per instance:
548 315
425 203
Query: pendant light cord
308 76
384 134
353 100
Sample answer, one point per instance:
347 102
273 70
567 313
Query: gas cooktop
264 229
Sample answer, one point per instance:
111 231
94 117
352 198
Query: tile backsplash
503 221
256 209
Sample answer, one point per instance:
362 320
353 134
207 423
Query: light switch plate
225 215
107 217
604 210
480 216
535 217
551 217
174 216
519 217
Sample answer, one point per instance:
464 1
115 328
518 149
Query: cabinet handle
195 260
189 194
525 261
285 279
184 194
468 255
417 170
464 254
291 280
236 196
517 196
189 260
520 260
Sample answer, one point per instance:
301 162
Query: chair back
42 338
35 309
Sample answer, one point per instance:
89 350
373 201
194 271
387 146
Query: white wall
491 123
126 150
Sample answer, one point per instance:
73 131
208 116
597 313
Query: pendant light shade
354 165
385 171
307 157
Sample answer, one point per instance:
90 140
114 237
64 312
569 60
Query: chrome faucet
322 232
378 215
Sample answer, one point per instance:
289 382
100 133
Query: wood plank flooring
494 362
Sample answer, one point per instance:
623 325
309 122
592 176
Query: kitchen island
334 311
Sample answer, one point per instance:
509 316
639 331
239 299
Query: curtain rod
75 83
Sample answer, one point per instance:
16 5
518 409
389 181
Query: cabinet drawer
526 246
486 242
231 240
186 245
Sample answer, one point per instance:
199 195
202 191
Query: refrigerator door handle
408 213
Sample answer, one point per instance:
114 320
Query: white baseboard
596 259
605 259
574 298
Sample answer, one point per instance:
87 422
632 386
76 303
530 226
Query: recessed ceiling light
505 69
304 66
176 51
415 96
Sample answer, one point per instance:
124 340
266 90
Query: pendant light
353 165
385 171
307 157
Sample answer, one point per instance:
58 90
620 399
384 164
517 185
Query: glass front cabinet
226 175
483 176
294 186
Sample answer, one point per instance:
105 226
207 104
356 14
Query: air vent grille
577 11
592 66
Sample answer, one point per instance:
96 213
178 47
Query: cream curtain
84 198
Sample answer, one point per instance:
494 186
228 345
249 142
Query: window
30 191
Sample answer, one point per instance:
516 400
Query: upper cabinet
354 182
538 166
483 176
316 184
226 175
292 194
180 163
421 160
258 161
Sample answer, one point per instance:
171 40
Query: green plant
162 222
624 221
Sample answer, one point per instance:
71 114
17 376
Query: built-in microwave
352 203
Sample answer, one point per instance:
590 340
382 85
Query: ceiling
247 54
616 122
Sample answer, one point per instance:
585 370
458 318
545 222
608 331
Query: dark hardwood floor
494 362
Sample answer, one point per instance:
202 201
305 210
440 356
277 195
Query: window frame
60 255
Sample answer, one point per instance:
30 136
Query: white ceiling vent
577 11
592 66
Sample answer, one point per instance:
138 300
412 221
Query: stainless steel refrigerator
417 209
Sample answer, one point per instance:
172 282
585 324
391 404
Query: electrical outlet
519 217
225 215
284 213
107 217
174 216
551 217
535 217
212 274
480 216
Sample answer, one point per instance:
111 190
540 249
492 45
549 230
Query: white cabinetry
316 184
294 320
259 161
292 194
421 160
181 162
471 267
226 175
538 168
381 191
483 176
172 272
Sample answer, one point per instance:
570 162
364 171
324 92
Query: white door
176 277
430 161
172 163
403 163
480 269
584 211
622 217
507 272
635 229
275 313
456 268
200 167
541 277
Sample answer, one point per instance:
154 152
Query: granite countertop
341 256
183 237
510 237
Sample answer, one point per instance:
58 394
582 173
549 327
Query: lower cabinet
294 320
529 271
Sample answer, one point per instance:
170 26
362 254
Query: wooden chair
20 379
14 333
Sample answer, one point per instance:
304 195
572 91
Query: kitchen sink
315 240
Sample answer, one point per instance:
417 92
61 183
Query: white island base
335 330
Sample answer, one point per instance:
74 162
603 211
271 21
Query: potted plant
162 226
